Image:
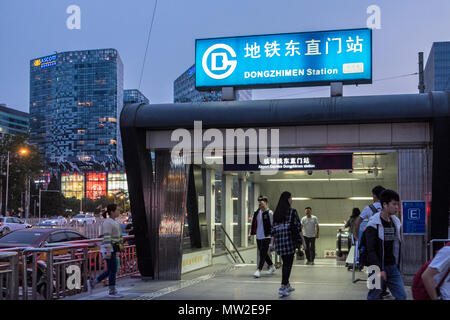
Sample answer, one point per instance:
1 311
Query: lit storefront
95 185
72 185
117 183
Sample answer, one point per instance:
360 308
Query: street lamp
22 152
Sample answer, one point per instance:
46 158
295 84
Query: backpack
418 289
363 254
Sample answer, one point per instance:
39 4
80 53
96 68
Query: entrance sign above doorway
285 60
308 162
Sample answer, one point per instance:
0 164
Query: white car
58 221
8 224
83 219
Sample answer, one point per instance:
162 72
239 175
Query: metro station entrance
185 214
332 194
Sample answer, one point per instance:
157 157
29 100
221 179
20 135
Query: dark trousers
263 250
110 271
310 249
288 260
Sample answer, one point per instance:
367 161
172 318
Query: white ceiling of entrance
332 198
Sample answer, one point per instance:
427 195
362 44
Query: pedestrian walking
436 277
368 212
262 227
310 225
383 237
351 222
286 233
112 245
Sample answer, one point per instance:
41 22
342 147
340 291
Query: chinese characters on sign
285 59
296 162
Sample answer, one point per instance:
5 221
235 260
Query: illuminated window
95 185
112 119
81 131
81 142
112 141
102 119
117 182
72 185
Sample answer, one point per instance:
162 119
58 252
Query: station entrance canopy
158 186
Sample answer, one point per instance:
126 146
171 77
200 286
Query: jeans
310 249
110 271
263 249
288 260
394 283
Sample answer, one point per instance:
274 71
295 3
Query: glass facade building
437 69
134 96
184 90
75 101
13 121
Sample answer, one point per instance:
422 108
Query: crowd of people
284 232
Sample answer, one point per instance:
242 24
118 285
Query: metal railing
50 279
60 270
232 243
431 247
9 277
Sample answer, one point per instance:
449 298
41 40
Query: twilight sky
31 29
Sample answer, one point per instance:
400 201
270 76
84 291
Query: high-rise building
13 121
75 100
184 90
437 69
134 96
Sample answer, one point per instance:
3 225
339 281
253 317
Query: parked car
8 224
39 237
59 221
82 219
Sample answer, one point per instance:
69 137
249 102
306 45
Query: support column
243 212
210 207
412 185
227 207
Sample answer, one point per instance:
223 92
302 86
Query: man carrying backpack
383 239
432 282
369 210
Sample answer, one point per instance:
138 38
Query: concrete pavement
326 280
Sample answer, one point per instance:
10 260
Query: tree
52 202
21 167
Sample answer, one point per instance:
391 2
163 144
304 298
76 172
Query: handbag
118 247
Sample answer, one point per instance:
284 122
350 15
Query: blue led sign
281 60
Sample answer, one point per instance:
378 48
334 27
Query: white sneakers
257 273
271 270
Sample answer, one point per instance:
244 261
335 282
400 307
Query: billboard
95 184
285 60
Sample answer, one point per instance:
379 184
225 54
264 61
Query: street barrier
9 278
58 270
